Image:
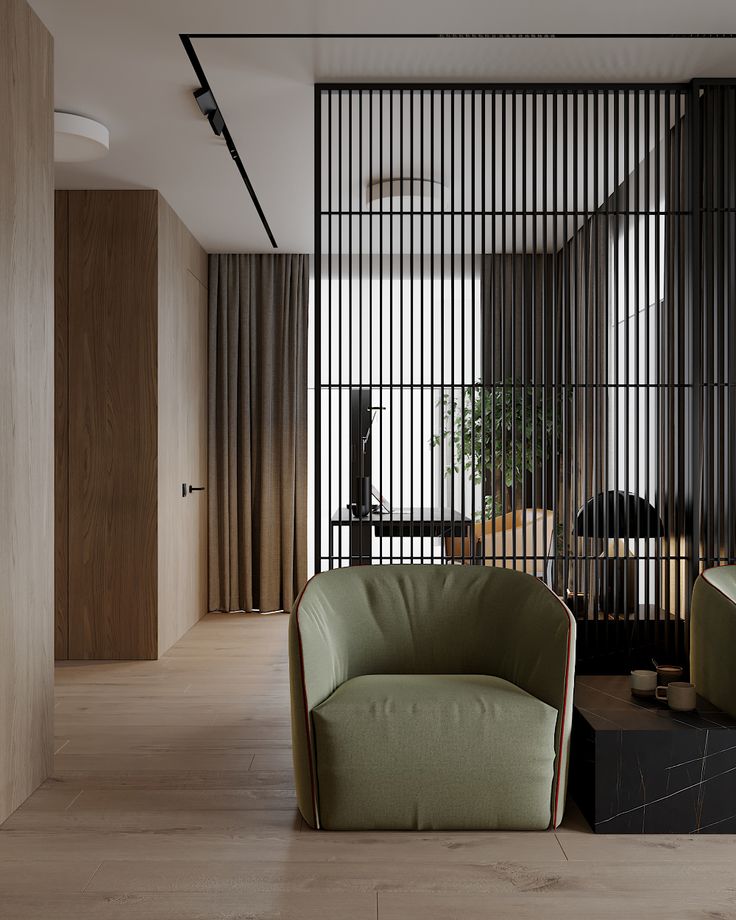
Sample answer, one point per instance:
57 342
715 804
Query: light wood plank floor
172 799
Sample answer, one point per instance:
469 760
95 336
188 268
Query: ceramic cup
643 683
667 673
678 695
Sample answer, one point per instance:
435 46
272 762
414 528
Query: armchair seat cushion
433 751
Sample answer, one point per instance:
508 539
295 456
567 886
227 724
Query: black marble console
636 767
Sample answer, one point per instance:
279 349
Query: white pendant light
78 139
422 192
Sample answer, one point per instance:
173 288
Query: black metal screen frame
691 169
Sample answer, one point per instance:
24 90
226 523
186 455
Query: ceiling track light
209 108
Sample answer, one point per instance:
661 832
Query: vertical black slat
347 205
412 304
577 254
330 391
453 206
680 374
654 194
667 298
717 334
526 259
557 405
371 244
496 339
393 391
472 376
541 198
718 483
360 190
651 249
531 496
463 376
625 365
710 178
632 345
671 315
680 396
728 331
486 339
514 265
381 306
714 345
566 351
602 368
442 337
416 324
432 395
537 503
318 510
398 374
694 339
504 298
417 394
595 370
426 556
650 151
336 393
612 377
590 159
589 227
647 150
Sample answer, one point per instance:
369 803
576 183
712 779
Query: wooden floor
172 799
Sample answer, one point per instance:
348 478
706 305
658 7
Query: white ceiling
121 62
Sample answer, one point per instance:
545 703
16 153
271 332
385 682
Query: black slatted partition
524 341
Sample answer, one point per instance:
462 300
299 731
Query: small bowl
668 672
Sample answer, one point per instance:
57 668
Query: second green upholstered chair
713 637
430 698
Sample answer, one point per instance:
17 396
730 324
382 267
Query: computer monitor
360 450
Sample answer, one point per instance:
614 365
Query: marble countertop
606 703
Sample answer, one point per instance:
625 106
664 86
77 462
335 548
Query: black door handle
196 489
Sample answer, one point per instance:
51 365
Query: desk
404 522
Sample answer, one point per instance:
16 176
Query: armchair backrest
713 637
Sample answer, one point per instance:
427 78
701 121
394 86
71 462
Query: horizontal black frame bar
465 36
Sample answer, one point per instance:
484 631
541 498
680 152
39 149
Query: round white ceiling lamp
410 191
78 139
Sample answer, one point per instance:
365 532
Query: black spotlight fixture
208 107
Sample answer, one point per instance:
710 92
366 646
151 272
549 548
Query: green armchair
713 637
430 698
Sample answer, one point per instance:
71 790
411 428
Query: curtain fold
257 430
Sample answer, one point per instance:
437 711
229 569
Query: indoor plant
499 433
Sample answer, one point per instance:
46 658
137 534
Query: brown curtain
257 430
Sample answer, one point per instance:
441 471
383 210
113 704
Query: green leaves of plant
506 428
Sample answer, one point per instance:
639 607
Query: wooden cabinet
130 425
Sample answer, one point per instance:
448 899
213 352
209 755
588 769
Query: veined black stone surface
637 767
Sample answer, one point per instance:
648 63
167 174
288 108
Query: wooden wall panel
26 404
61 425
182 429
113 290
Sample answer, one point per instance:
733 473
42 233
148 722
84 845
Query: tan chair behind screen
518 540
